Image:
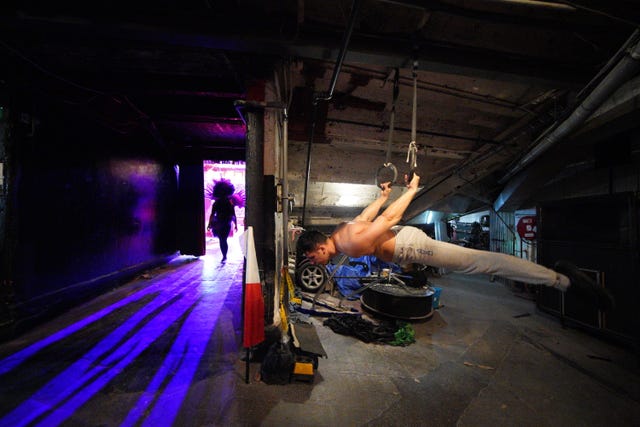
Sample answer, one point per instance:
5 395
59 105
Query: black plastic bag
277 365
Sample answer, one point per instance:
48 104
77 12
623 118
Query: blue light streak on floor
16 359
183 304
179 366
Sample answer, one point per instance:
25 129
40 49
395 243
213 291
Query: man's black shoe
585 287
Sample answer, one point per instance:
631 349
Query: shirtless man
369 234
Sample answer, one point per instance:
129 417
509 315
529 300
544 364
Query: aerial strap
396 91
388 172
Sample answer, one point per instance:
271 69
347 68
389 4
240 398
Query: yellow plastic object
292 291
303 368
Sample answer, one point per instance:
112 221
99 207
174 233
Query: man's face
319 255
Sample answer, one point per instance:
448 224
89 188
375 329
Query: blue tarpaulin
347 277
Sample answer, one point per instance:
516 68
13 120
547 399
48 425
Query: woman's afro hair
223 188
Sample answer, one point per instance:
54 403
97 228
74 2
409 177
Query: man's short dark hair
309 239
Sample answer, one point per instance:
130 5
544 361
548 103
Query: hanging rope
388 172
412 155
412 151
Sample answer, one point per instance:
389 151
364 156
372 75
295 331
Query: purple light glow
231 171
142 177
224 131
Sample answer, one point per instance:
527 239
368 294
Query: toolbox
304 368
307 348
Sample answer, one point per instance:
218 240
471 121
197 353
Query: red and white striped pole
253 301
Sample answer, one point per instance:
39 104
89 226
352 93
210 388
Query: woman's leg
224 247
223 235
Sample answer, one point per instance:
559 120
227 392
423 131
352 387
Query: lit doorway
234 172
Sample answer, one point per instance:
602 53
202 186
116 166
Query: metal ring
386 166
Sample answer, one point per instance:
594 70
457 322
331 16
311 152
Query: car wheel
311 277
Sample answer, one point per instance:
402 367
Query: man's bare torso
350 239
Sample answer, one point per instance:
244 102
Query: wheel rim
312 277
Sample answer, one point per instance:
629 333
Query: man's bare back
350 238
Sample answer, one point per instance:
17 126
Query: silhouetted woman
223 213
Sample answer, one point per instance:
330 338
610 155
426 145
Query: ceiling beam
321 43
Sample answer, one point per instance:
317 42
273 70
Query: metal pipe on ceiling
327 96
626 68
343 52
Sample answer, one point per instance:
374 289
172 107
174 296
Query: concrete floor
165 349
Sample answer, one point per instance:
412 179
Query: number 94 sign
527 227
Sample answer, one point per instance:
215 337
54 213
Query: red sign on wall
527 227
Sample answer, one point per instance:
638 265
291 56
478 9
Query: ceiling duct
625 69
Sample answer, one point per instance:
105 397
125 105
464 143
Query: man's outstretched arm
362 238
370 212
393 214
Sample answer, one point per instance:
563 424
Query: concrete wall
85 206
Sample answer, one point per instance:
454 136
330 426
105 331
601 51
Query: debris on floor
392 332
475 365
